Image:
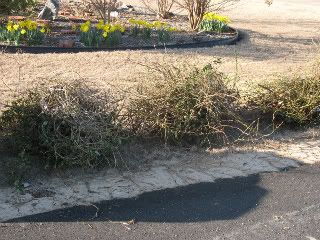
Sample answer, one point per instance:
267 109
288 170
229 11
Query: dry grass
281 39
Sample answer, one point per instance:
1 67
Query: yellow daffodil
23 31
30 25
22 24
142 23
210 16
107 27
172 29
159 25
10 28
132 21
44 28
85 26
118 27
105 34
16 27
100 25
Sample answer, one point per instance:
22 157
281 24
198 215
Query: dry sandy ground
280 38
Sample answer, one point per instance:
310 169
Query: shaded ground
266 206
170 206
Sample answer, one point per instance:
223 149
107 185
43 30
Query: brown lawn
277 39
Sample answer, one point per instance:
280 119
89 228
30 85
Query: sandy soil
279 38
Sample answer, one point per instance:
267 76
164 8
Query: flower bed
127 33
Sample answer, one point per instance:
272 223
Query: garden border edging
38 50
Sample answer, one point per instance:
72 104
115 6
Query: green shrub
10 6
67 124
185 105
294 100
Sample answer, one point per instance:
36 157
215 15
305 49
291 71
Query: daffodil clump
141 27
28 31
212 22
210 16
145 29
100 33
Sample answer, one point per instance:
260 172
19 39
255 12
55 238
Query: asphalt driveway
283 205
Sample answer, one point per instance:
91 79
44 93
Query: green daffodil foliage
212 22
26 32
145 29
100 34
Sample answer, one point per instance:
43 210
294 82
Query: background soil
276 39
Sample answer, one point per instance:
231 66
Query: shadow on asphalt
222 200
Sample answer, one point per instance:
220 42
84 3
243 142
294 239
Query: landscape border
43 49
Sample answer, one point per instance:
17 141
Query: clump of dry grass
292 99
66 123
185 105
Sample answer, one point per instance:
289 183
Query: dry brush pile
67 123
293 99
71 124
186 106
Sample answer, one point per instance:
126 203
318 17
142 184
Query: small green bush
10 6
185 105
294 100
67 124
